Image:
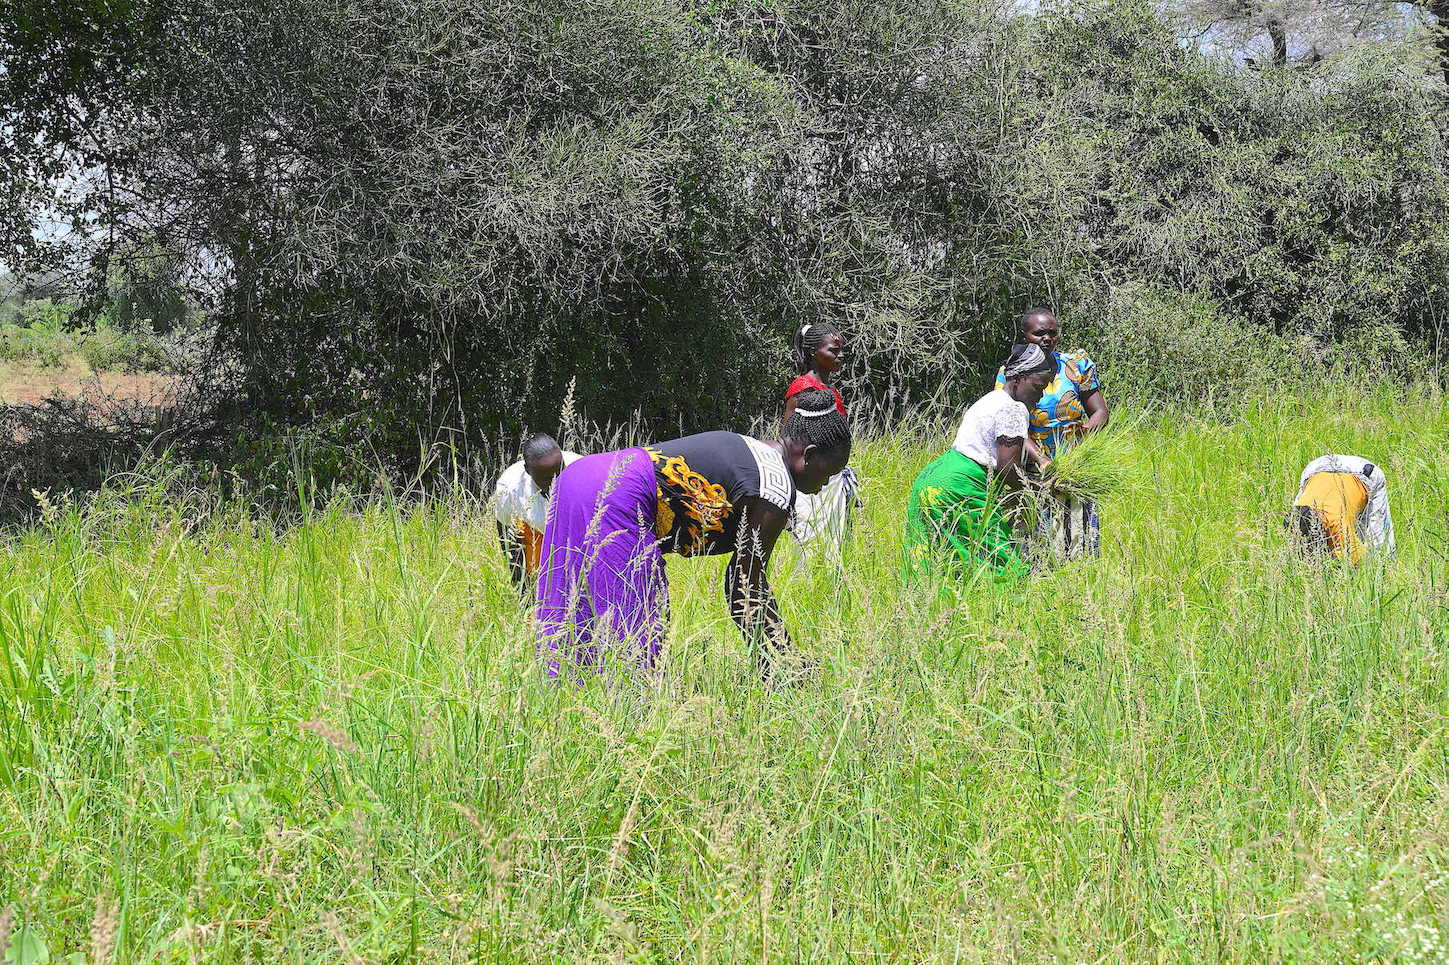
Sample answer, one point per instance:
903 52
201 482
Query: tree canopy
414 217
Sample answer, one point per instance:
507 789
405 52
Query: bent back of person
1342 509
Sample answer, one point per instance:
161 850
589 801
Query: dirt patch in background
22 383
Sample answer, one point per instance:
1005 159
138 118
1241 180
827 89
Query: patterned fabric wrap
702 482
1025 357
954 528
1060 416
691 511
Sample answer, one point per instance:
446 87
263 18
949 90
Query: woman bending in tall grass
821 519
1071 407
954 523
603 587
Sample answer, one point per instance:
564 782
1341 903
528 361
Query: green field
224 741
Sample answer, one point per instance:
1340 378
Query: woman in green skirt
954 524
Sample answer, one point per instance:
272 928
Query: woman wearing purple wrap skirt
612 517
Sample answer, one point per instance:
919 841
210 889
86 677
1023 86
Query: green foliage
41 348
1301 200
109 350
41 339
333 740
41 315
36 331
424 219
1094 468
144 295
1172 349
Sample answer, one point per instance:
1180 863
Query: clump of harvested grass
1100 465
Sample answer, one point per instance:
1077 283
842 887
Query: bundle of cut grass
1099 465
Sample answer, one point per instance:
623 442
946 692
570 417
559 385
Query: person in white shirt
1343 509
520 505
953 520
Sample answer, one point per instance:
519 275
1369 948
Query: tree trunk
1440 10
1279 36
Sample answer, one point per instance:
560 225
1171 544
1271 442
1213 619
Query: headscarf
1025 358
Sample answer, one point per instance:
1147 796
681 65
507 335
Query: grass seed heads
1147 756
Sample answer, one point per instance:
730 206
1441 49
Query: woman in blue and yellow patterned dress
1071 407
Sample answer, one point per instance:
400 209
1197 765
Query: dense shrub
42 339
110 350
36 346
1166 348
425 220
38 314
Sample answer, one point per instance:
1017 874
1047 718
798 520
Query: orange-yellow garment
1338 498
531 541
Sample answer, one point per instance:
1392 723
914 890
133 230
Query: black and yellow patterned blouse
702 483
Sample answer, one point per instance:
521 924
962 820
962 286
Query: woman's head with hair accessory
1027 371
818 346
821 433
1024 357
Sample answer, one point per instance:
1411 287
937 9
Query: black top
702 481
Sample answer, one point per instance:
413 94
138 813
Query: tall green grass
221 741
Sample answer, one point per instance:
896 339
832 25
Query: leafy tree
420 218
1279 33
145 290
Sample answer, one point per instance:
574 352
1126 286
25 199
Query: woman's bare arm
1035 454
1097 414
1010 453
747 587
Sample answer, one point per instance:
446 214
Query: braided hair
807 341
817 422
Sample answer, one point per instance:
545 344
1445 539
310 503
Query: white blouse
517 501
995 415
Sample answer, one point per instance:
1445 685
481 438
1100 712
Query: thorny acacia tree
1277 33
432 216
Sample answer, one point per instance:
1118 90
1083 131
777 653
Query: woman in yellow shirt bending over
1343 509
